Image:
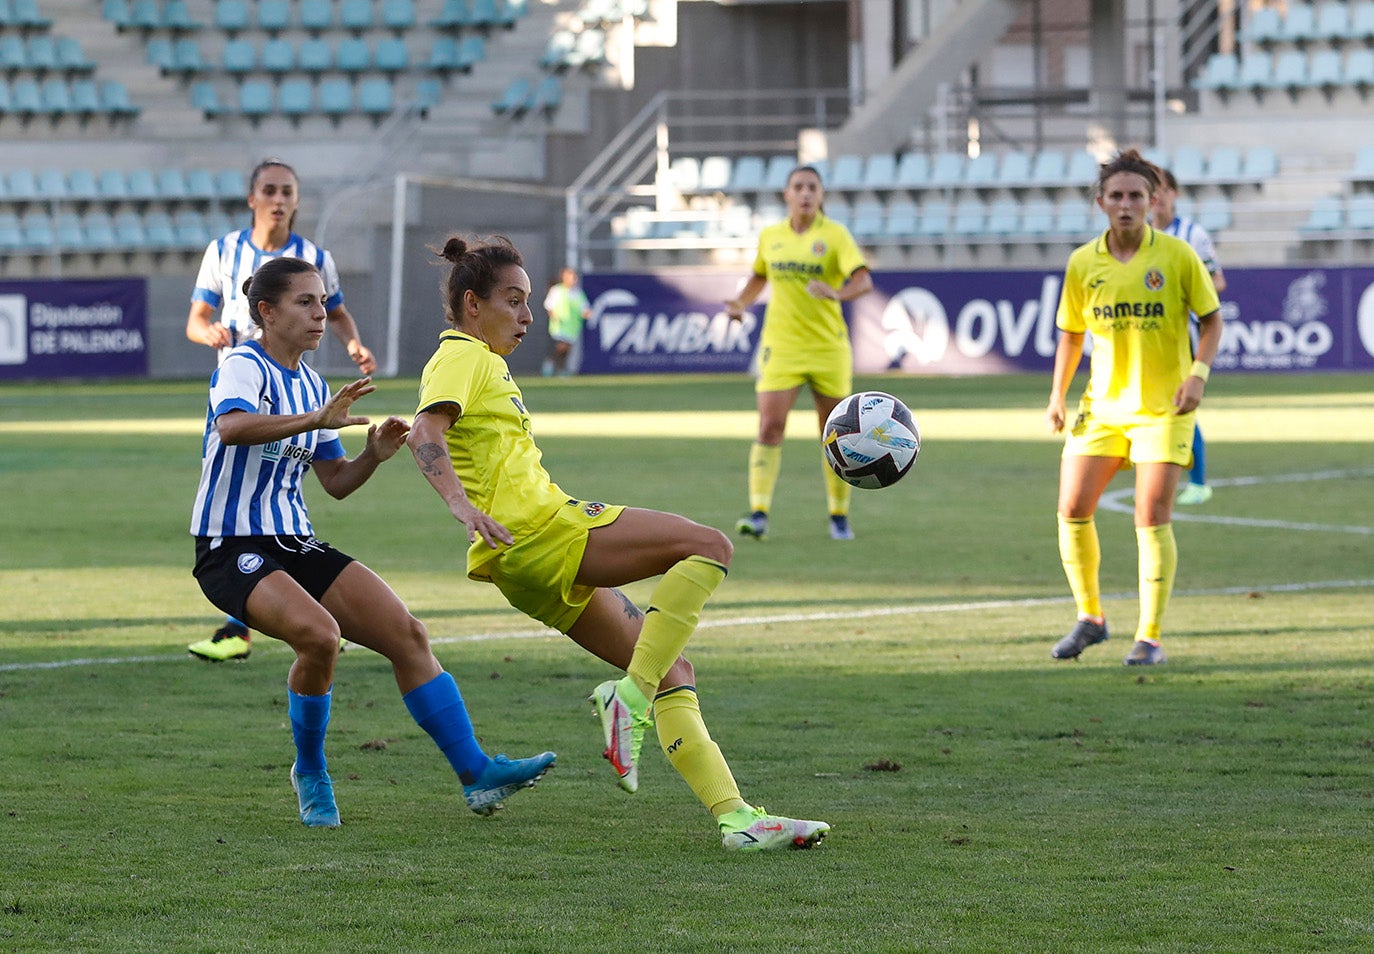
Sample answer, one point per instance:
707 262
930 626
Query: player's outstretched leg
624 715
753 829
503 778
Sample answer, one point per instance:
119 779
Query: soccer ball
871 440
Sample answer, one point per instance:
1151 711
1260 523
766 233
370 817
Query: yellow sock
836 491
670 619
690 749
1082 557
1158 560
764 464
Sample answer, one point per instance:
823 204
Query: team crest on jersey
818 248
249 562
593 509
1154 279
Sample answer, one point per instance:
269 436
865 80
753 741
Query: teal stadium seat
1290 71
1260 164
26 98
113 11
14 55
747 175
846 174
86 98
443 55
354 55
191 231
38 230
1256 71
159 231
186 58
128 229
296 97
21 185
398 15
42 53
278 56
1264 26
1073 220
316 15
869 220
1082 170
11 235
589 49
71 235
1333 22
548 95
171 185
391 55
838 210
200 185
1221 74
1362 21
205 98
145 15
1327 216
376 97
1004 218
52 184
454 15
715 173
336 97
1359 68
1014 172
1324 70
176 17
315 55
472 49
81 185
255 98
1214 214
99 229
114 187
142 184
71 57
1223 167
935 219
239 56
274 16
231 16
158 52
356 15
232 184
777 171
980 172
1037 218
1362 172
880 172
970 219
913 171
902 220
1360 213
27 15
1049 170
559 48
947 170
515 100
1299 24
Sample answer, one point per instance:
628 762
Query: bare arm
1219 280
1189 393
250 427
202 328
341 476
856 286
430 448
1066 358
747 296
346 330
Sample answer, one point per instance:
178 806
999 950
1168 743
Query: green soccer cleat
315 792
230 641
503 778
622 727
753 829
1193 494
753 525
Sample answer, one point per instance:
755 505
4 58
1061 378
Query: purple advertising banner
992 322
78 328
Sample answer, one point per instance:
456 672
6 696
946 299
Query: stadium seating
1333 22
516 99
1327 216
1362 22
1360 212
548 95
316 16
715 173
746 176
880 172
1299 23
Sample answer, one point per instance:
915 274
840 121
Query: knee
771 432
715 545
680 673
318 645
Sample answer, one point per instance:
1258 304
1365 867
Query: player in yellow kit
1132 289
814 266
559 559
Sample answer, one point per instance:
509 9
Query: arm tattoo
631 610
426 455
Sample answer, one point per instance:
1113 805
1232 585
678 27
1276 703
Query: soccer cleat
839 527
753 525
503 778
316 794
1085 633
753 829
230 641
1194 494
623 730
1145 654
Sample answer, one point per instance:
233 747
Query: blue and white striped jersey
1196 236
255 490
231 259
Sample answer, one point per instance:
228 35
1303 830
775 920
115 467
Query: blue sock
309 719
1198 475
236 622
438 708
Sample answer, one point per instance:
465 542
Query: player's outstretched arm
428 445
247 427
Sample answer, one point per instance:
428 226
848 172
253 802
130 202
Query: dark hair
476 263
269 164
1167 179
271 281
1128 160
811 169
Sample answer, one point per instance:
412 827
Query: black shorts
227 573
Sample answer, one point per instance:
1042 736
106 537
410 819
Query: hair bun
247 283
455 248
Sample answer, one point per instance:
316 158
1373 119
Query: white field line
912 609
1122 501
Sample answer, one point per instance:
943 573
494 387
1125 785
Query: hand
477 522
361 356
819 289
334 414
385 439
1189 394
734 309
217 336
1054 415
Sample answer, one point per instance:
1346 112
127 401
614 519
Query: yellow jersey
490 444
1137 313
794 319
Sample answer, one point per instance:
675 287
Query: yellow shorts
537 574
831 374
1166 439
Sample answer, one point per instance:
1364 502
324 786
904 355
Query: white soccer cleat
753 829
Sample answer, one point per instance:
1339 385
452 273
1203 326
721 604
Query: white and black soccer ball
871 440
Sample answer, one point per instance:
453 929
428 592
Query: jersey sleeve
237 385
209 281
1202 291
848 255
452 380
333 291
1206 250
760 263
1070 315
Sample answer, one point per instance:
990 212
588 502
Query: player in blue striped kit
273 197
1196 490
269 420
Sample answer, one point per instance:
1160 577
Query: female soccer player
558 559
1132 289
273 197
814 265
270 419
